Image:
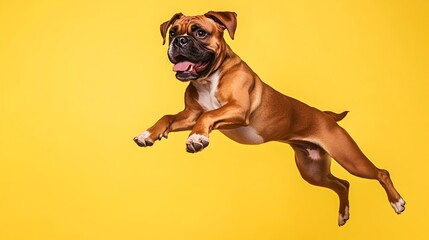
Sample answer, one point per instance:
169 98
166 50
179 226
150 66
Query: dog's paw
143 139
342 218
196 143
398 206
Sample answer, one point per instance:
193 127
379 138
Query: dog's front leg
229 116
184 120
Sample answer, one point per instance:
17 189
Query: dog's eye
201 34
172 33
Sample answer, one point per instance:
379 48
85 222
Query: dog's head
196 43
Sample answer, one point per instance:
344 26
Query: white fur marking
244 135
399 206
206 92
313 154
201 140
142 137
170 49
342 219
197 138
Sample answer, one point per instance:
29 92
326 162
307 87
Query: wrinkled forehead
187 23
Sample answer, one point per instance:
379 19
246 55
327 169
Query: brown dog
225 94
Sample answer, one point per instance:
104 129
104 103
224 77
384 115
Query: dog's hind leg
340 146
314 165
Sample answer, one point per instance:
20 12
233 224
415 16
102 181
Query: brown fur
246 101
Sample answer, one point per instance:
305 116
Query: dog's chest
206 93
208 101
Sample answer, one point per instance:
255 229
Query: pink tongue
183 66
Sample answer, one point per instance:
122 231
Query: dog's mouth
190 67
190 70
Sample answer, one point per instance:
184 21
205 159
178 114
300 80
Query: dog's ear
226 19
167 24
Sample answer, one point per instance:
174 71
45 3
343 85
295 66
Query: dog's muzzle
190 58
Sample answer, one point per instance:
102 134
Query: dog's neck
227 57
225 60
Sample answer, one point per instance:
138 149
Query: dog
225 94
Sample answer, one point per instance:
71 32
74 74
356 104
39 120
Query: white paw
399 206
342 219
143 139
196 143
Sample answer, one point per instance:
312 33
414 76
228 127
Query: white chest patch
206 93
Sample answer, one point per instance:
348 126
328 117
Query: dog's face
196 43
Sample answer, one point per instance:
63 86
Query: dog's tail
337 116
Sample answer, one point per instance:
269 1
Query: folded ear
167 24
227 19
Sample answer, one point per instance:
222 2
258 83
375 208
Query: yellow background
79 79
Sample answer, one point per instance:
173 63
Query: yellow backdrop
79 79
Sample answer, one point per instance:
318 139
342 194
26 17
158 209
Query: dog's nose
181 41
